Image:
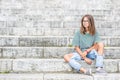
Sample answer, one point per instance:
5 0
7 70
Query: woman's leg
99 54
73 59
99 58
93 54
100 48
67 57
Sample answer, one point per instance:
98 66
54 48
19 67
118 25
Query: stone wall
61 17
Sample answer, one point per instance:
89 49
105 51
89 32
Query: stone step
23 76
49 41
49 52
59 76
51 65
22 31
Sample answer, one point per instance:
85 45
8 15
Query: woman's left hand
84 54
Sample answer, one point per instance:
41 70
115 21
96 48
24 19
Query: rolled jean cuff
75 65
99 61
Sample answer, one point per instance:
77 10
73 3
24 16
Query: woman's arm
91 48
83 55
77 48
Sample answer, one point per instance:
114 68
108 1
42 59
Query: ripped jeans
92 55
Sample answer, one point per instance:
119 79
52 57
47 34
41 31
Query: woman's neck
87 31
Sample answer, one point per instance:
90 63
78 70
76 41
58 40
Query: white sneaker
88 72
101 71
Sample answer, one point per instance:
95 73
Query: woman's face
85 22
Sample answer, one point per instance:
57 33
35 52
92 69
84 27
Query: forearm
91 48
78 50
82 54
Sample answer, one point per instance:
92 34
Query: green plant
70 45
5 72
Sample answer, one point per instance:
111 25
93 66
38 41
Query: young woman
88 46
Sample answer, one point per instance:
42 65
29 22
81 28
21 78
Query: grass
5 72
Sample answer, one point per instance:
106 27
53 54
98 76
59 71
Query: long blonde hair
91 27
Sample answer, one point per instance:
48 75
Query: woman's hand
83 55
87 60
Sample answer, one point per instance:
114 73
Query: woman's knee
100 45
100 48
67 57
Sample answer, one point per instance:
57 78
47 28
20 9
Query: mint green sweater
85 41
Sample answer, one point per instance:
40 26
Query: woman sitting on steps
88 46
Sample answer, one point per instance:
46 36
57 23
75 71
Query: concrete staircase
35 34
41 58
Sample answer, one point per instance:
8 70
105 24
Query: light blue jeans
92 55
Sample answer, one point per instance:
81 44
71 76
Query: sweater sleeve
76 39
97 38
